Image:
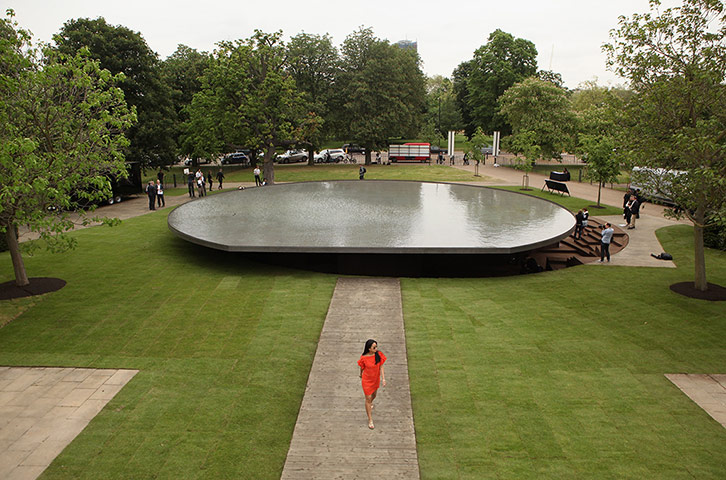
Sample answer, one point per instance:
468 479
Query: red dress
371 378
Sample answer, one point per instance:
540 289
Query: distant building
407 45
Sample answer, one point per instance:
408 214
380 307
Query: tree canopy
460 79
181 72
541 117
381 90
121 50
441 109
249 99
313 63
675 61
503 61
61 133
598 112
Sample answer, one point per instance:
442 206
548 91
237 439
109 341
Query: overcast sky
568 34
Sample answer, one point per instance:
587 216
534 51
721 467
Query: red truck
410 152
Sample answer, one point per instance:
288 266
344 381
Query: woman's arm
383 376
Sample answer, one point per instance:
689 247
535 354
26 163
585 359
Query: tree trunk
311 156
268 166
368 155
599 189
699 254
21 276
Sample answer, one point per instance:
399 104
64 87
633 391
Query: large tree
313 63
598 112
675 61
381 91
496 66
121 50
541 117
249 99
181 72
441 107
460 79
61 133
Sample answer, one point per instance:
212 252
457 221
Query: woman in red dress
371 374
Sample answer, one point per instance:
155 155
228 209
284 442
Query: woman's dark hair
369 344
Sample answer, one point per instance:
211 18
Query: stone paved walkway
707 391
43 409
331 438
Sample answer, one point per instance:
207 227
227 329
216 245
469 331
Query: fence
509 160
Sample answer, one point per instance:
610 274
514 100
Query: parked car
353 148
292 156
200 161
329 155
236 158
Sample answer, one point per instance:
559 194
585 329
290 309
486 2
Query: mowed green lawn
224 349
561 374
554 375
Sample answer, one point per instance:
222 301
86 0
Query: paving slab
707 391
44 409
331 438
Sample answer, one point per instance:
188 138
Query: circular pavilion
377 227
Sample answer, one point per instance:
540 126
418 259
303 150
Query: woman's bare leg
369 408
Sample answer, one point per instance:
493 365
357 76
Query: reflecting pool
372 216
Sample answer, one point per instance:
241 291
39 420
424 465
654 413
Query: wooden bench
554 186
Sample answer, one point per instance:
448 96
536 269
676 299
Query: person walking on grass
371 374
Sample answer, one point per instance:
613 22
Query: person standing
258 180
151 192
190 184
200 184
607 236
361 172
634 211
585 216
210 179
160 194
371 374
626 199
220 177
628 212
579 218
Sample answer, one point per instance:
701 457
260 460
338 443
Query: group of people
155 191
581 222
441 161
197 181
606 233
631 208
259 182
